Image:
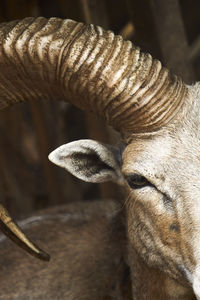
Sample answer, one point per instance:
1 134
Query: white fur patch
196 282
196 288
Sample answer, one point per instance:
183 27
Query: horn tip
43 255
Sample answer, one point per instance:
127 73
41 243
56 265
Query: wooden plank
160 31
172 37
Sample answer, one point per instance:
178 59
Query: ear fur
88 160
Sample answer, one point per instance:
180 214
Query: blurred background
168 29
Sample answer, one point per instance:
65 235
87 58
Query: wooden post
160 31
172 37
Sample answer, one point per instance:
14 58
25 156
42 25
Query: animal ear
88 160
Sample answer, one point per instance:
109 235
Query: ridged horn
12 230
90 67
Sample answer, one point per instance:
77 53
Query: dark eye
136 181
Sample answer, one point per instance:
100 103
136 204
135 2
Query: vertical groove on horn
156 82
90 67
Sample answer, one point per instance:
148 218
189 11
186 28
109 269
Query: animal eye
136 181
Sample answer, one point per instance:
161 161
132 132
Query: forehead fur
172 154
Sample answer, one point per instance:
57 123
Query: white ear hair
88 160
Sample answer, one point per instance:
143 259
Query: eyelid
134 177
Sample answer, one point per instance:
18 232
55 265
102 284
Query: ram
158 159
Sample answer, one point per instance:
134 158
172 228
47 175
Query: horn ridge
148 97
76 84
96 70
160 111
180 92
127 104
120 82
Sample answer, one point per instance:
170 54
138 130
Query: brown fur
149 283
86 244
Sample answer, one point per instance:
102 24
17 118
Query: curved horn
90 67
93 69
11 229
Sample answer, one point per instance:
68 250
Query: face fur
162 175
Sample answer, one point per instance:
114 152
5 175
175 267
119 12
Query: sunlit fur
164 219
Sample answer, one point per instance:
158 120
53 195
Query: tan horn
13 231
90 67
